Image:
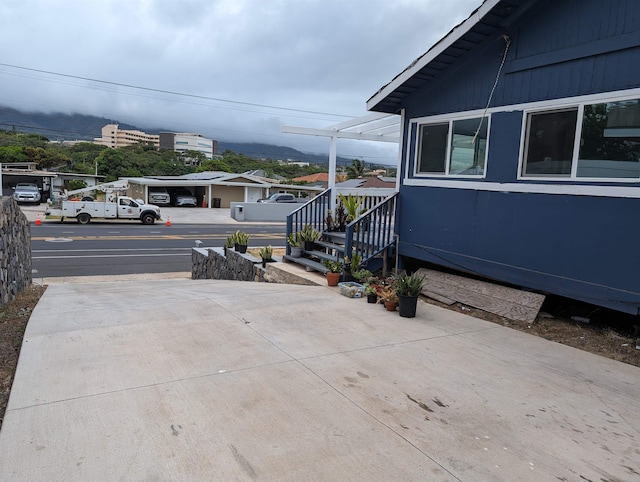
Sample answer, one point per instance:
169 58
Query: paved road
116 247
113 249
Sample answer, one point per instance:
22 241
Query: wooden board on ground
508 302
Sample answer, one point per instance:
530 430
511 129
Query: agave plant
266 253
410 284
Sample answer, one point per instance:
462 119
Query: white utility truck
115 207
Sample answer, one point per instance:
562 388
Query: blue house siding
578 241
568 245
559 49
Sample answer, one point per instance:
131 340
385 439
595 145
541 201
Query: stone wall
211 263
15 250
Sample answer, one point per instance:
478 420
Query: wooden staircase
372 235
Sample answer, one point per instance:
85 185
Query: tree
356 169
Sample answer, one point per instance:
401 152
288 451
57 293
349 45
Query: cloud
325 56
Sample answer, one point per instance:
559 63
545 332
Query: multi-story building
182 142
114 137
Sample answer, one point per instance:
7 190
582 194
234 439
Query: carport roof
227 179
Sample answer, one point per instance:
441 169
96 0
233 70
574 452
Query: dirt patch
13 321
609 334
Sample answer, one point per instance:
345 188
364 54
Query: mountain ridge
59 126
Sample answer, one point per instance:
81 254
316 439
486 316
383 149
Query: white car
27 193
183 197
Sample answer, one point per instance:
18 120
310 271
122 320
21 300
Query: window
550 139
433 148
610 140
598 141
454 148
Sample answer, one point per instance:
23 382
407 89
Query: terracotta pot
333 278
390 305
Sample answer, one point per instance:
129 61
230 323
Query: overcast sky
316 57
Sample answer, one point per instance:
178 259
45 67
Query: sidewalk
219 380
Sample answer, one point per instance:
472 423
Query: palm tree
356 169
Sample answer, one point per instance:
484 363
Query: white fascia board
440 47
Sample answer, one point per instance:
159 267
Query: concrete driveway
221 380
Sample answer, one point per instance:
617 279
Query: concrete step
307 263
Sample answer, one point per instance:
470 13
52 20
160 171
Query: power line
182 94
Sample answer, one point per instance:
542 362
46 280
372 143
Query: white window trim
612 96
524 142
415 126
559 106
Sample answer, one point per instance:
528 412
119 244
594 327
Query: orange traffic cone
38 222
168 220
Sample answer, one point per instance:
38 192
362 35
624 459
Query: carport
213 189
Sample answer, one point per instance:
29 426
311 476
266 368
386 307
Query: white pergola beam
309 131
359 120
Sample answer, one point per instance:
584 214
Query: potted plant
229 243
335 270
266 254
372 293
341 218
328 221
409 287
361 275
389 297
295 243
351 205
309 236
241 240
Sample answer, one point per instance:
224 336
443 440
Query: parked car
183 197
27 193
159 196
279 197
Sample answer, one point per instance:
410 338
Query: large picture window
598 141
610 140
454 148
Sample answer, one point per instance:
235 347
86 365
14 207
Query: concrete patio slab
222 380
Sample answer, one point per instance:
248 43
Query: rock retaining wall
15 250
212 263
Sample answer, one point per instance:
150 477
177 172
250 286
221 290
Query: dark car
184 197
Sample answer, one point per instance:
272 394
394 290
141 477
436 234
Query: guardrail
374 231
313 213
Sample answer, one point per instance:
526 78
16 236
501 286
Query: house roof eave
389 98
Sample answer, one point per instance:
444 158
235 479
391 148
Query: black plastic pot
372 298
309 245
407 306
241 248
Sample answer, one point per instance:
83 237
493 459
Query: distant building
182 142
114 137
